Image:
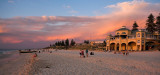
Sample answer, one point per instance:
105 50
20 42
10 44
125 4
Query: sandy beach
15 63
68 62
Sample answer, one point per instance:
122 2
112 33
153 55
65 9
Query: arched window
117 33
123 32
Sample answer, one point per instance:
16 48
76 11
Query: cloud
10 1
67 6
73 11
10 40
134 6
41 28
110 6
51 28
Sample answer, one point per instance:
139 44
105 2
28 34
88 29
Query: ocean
7 51
12 62
8 54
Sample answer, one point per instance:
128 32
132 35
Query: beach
14 63
68 62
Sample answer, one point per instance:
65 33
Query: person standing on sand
80 53
123 53
87 52
127 53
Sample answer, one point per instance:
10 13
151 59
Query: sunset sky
38 23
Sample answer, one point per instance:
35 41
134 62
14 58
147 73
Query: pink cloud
50 28
2 29
10 40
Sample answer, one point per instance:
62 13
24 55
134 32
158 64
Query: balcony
151 38
131 37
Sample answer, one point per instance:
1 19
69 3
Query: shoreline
15 63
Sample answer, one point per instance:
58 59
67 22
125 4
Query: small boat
26 51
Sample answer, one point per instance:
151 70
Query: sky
39 23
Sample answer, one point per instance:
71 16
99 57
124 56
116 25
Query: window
138 35
138 41
123 32
142 34
142 41
117 33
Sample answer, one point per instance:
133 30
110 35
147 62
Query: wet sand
15 64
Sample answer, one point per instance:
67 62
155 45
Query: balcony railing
151 38
131 37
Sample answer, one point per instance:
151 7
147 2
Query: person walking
87 52
82 52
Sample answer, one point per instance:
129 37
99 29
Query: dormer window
123 32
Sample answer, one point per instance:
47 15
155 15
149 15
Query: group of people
122 52
125 52
82 53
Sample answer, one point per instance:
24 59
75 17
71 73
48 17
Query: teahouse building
134 40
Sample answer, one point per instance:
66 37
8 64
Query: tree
135 26
72 42
60 43
50 45
150 25
104 42
66 43
56 44
158 23
86 41
63 43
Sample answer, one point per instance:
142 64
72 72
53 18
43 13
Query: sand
68 62
15 64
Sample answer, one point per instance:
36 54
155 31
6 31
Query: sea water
12 62
7 51
8 54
